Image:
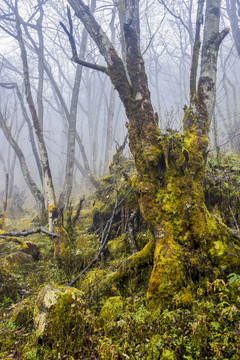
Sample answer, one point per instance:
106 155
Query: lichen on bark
170 167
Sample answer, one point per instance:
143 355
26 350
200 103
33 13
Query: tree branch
71 39
196 50
29 232
176 17
115 68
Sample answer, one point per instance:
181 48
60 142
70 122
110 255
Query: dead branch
104 239
235 234
79 208
234 218
132 241
29 232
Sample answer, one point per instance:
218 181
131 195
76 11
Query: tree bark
233 14
190 244
47 177
68 183
28 121
38 196
3 214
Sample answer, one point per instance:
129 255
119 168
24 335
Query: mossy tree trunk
190 244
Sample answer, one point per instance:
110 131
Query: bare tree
38 196
233 10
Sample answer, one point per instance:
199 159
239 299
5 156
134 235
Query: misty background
167 37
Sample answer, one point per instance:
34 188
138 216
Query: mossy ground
199 320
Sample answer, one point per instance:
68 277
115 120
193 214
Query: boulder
19 258
60 318
31 249
22 314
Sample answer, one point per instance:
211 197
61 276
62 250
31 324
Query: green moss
63 250
168 355
117 247
9 285
23 314
92 280
2 219
133 263
112 309
61 319
185 297
168 273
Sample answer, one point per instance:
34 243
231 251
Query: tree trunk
68 183
3 214
233 14
190 244
38 196
28 121
47 177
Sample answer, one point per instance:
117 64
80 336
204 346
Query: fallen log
28 232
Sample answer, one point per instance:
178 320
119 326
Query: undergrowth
201 321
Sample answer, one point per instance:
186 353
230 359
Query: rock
31 249
8 285
59 317
22 315
19 258
112 309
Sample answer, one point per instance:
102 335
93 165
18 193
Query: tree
188 242
35 111
233 10
38 196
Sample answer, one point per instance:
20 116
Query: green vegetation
110 312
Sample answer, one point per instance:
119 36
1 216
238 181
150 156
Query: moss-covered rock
61 319
185 297
19 258
22 314
31 249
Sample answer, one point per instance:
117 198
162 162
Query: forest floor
105 313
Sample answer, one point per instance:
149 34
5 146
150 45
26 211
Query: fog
60 87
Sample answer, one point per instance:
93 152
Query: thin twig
76 216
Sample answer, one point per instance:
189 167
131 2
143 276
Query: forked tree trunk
190 244
47 177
